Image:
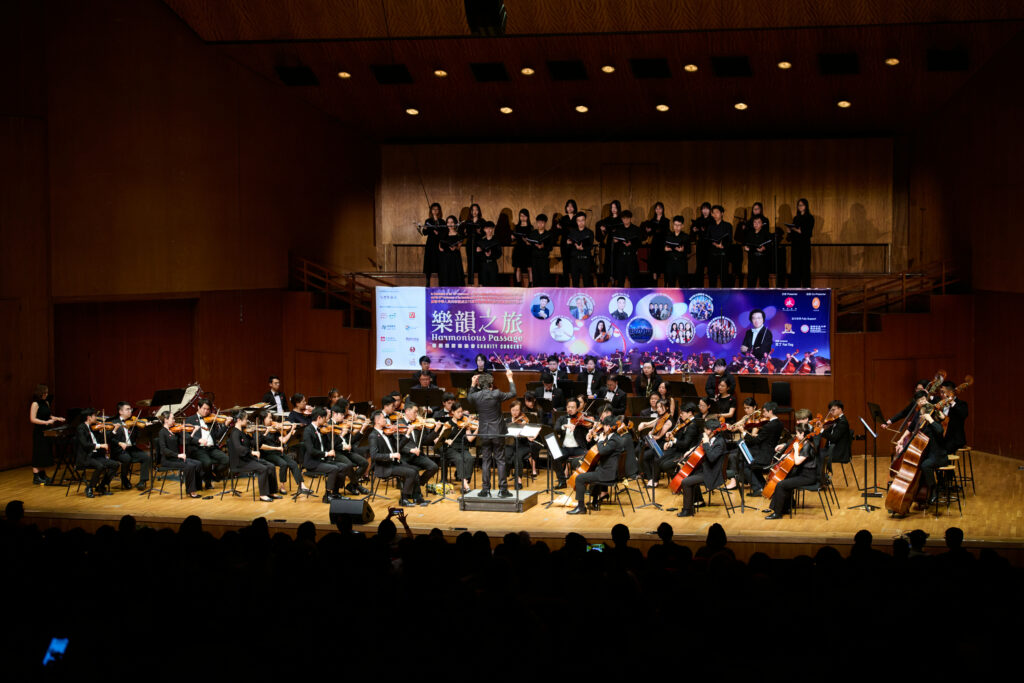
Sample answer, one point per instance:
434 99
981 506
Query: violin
521 420
180 427
218 418
582 419
467 422
133 422
104 426
624 426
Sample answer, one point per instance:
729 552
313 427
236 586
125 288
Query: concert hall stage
991 518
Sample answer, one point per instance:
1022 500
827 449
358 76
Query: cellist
609 448
710 472
804 474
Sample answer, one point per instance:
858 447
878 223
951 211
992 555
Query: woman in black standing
698 237
450 266
606 227
655 230
474 231
521 256
800 238
432 229
41 418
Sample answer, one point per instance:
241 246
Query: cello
787 462
690 462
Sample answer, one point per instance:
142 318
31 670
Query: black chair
79 474
618 486
163 471
820 487
233 477
783 396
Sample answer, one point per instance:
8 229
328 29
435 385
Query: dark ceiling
392 47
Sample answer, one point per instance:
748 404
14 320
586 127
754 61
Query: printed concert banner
757 331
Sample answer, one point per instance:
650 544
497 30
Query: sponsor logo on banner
805 329
789 303
388 362
815 303
788 328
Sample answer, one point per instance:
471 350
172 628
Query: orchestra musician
273 449
301 410
709 472
805 472
934 455
615 397
522 449
387 459
315 451
277 400
124 450
488 253
676 254
646 383
203 442
425 370
557 370
92 453
573 440
837 434
243 456
458 442
762 441
345 452
491 445
414 451
592 377
41 417
719 372
169 449
662 392
549 392
956 417
609 449
724 405
910 408
580 243
660 425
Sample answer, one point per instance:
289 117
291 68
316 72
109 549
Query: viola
180 427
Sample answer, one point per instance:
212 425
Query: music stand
865 506
625 382
754 385
572 388
687 390
430 396
320 402
876 416
555 456
461 380
659 454
406 384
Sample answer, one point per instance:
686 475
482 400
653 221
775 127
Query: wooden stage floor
992 517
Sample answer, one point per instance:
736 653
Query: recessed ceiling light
785 65
527 71
505 110
412 111
344 74
892 61
843 104
582 108
740 105
690 67
440 73
661 107
608 69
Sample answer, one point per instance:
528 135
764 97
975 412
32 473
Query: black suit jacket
216 431
117 437
313 446
488 407
618 402
85 446
557 396
689 437
609 451
838 436
579 431
956 436
380 454
269 398
764 342
597 384
711 465
762 446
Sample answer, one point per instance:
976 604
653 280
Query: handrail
874 296
345 288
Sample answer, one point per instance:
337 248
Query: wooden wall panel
848 184
997 388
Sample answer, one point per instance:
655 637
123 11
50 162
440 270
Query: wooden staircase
352 293
859 307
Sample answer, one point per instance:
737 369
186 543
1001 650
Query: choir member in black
592 377
699 234
762 441
655 231
719 372
474 231
708 473
719 237
646 383
387 459
566 224
609 449
724 407
676 253
623 243
837 434
345 453
273 449
804 473
94 453
549 392
579 243
243 456
573 440
491 445
457 445
605 228
522 260
488 253
171 454
615 397
277 400
757 341
301 410
449 247
800 239
432 228
414 450
736 250
41 418
956 415
557 370
541 241
124 450
758 247
203 443
316 449
757 210
660 425
522 449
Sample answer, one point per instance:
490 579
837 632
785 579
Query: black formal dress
487 260
711 384
581 261
758 262
604 230
92 456
474 231
129 455
762 450
458 452
433 229
718 259
699 234
491 442
387 462
168 450
42 449
520 449
655 231
521 257
675 261
450 273
708 473
269 443
800 273
241 459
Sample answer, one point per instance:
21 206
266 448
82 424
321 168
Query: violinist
278 401
571 429
660 426
202 442
522 448
609 449
651 411
388 407
243 456
273 449
462 434
169 449
345 454
301 410
414 450
491 445
836 432
750 411
615 397
444 411
762 441
955 410
709 473
315 449
124 450
94 453
387 459
662 392
805 472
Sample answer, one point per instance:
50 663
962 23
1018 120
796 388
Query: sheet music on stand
553 448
